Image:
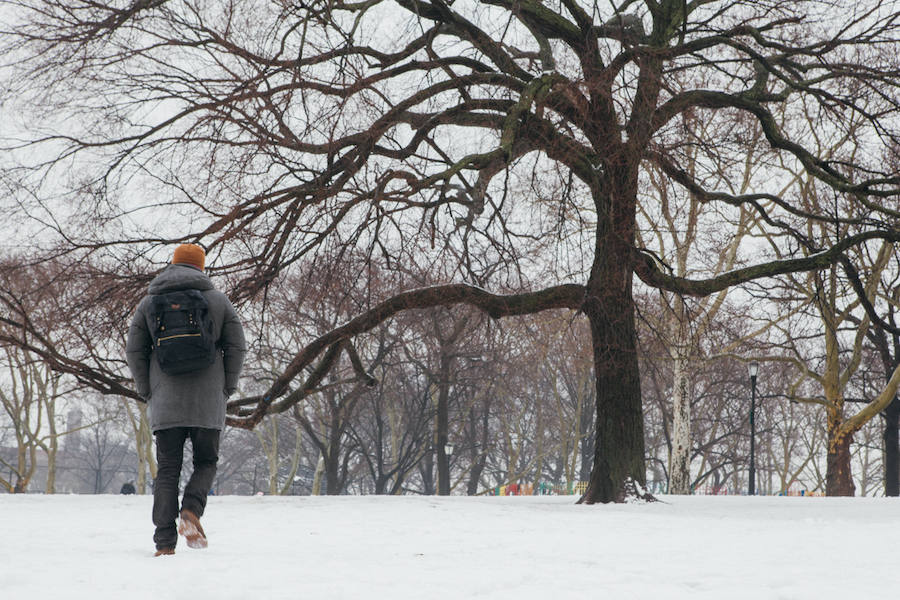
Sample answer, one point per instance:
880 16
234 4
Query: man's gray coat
195 399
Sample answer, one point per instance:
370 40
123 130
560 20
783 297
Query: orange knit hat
189 254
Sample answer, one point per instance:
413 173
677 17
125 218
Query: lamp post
754 371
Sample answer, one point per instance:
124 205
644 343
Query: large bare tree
510 135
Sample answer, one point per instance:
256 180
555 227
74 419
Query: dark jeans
169 456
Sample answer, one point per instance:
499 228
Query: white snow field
266 548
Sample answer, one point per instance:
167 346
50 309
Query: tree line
532 157
512 401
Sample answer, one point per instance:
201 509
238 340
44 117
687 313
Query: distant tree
448 336
32 391
718 394
829 348
238 470
798 443
886 343
104 450
394 427
675 232
139 421
27 400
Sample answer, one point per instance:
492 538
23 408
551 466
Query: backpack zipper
159 341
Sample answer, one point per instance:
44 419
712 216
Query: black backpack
182 332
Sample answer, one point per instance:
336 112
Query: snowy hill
267 548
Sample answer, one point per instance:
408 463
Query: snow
699 547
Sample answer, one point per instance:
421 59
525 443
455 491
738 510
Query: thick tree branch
496 306
885 187
31 340
647 268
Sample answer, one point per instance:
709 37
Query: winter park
449 298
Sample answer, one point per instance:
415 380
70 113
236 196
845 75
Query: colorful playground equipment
797 491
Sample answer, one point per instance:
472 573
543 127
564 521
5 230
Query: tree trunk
892 449
52 452
443 401
332 466
479 459
288 487
839 477
619 469
619 454
146 460
838 472
609 307
539 445
586 443
332 488
23 473
427 470
271 457
680 461
317 478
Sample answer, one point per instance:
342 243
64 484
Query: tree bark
609 307
586 442
839 477
317 478
146 460
891 433
891 438
427 471
333 483
479 453
619 454
680 467
52 446
443 401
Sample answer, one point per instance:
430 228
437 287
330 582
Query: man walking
185 350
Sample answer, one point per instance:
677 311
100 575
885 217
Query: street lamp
448 450
754 371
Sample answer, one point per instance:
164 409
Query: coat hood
180 277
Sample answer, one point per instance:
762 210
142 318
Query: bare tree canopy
509 138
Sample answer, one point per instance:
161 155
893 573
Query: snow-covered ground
266 548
